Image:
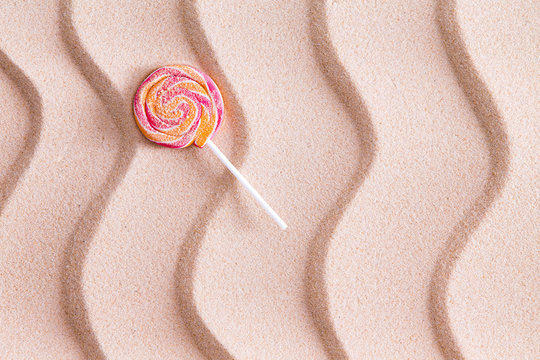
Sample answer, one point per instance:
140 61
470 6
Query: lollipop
177 106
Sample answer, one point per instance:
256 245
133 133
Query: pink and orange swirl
178 105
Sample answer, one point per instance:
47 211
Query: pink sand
399 140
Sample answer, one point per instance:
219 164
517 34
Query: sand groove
339 79
486 288
206 342
491 123
31 134
80 241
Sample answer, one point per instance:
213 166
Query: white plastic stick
246 184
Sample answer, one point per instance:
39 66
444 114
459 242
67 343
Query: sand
399 140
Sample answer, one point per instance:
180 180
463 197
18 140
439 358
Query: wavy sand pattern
207 344
430 166
490 120
80 240
235 281
492 293
338 77
399 140
72 157
160 177
21 124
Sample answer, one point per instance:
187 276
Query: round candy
178 105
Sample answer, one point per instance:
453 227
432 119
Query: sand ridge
488 115
492 293
386 134
72 288
20 138
315 275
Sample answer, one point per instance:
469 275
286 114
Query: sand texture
400 140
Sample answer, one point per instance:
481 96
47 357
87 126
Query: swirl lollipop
177 106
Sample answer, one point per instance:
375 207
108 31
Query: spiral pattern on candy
178 105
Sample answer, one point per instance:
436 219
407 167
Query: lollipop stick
246 184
